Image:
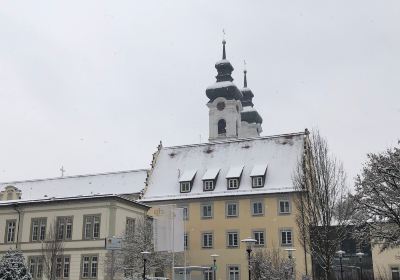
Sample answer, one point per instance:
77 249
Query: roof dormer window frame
258 181
258 175
233 183
185 187
209 185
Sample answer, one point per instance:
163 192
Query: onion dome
249 114
224 87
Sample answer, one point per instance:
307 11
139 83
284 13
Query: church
236 186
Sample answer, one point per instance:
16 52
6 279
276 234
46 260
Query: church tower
224 103
251 120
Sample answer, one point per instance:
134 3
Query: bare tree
271 265
129 259
52 251
323 210
377 199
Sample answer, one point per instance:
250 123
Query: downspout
19 220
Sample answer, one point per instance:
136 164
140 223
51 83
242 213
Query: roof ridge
73 176
237 140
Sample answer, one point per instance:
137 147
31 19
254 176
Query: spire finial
245 75
223 44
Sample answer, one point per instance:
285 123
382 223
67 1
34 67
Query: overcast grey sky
95 85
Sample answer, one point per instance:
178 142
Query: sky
93 85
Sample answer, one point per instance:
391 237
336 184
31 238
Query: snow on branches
377 199
13 267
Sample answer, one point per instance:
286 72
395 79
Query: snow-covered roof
282 154
221 84
122 182
211 174
187 175
258 170
70 198
234 171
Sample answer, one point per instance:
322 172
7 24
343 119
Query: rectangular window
206 211
395 273
286 237
232 209
91 226
233 183
208 275
66 268
38 229
284 207
258 181
62 267
36 267
257 208
130 226
233 239
186 241
207 240
185 187
89 266
208 185
64 228
259 235
10 231
185 212
233 272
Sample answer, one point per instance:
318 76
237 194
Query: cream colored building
386 264
84 210
232 190
83 223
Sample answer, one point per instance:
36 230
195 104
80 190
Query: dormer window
233 177
185 187
210 179
258 174
208 185
186 180
233 183
258 182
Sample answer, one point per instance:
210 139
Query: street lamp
360 256
145 255
341 253
214 257
249 244
290 256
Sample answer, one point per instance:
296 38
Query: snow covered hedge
13 266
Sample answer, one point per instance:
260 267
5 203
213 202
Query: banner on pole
168 228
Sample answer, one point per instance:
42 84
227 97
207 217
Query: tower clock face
220 106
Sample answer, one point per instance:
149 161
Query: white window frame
286 233
233 183
232 239
210 210
284 201
185 187
395 269
92 264
91 226
208 185
253 213
257 181
259 232
38 229
10 231
207 240
233 272
236 214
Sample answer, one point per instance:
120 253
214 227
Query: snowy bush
13 267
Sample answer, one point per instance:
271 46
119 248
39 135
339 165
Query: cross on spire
245 74
223 44
62 171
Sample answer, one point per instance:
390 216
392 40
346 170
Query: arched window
221 127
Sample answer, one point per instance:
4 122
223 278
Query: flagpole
173 241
